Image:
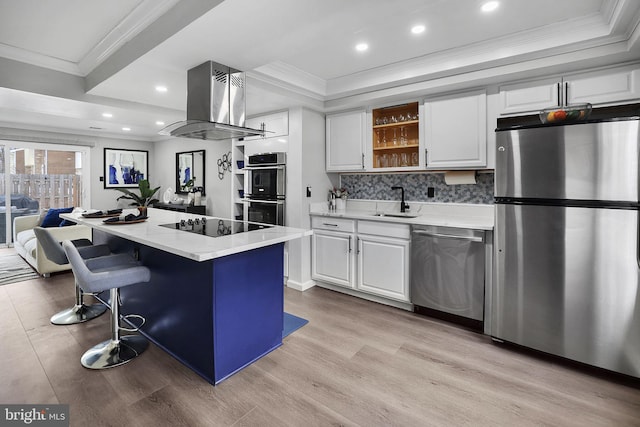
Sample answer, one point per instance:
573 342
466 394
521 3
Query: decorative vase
341 203
142 210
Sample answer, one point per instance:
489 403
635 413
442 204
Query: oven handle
449 236
277 167
266 202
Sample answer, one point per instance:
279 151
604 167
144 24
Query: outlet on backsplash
419 187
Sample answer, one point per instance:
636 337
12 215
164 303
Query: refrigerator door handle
638 240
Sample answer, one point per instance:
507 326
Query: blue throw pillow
52 219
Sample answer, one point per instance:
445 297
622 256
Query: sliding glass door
34 177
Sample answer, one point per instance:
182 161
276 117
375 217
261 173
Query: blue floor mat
292 323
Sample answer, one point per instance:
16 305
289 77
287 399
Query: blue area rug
292 323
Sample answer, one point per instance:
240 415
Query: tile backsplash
378 187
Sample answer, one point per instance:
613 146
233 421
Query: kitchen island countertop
185 244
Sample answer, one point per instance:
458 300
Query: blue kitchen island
214 302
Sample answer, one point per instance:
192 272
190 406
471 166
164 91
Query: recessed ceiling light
361 47
161 88
160 123
417 29
126 129
108 115
490 6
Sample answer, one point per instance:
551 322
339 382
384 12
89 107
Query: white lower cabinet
374 259
383 266
333 259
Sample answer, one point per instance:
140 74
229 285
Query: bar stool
97 275
53 250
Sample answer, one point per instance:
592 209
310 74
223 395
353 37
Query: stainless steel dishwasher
448 273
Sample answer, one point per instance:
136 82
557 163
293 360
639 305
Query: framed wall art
125 168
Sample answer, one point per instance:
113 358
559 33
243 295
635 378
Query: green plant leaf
145 197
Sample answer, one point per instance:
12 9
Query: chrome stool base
78 314
109 354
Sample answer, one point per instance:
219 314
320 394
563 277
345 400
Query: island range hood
215 105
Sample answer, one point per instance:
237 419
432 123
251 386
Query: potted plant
340 195
143 200
188 187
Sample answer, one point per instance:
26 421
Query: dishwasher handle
449 236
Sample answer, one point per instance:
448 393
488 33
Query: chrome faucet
403 206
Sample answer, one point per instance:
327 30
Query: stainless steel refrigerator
567 247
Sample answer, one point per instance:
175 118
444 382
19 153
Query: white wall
305 168
217 192
102 198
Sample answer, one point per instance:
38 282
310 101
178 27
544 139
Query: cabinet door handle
558 91
426 161
349 244
329 225
362 160
357 245
566 93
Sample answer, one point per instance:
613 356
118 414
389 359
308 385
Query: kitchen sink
396 215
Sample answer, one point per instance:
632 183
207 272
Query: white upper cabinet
455 130
345 139
603 87
530 96
276 124
609 86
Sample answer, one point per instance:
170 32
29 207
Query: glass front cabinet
396 137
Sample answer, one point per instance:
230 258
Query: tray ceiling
294 52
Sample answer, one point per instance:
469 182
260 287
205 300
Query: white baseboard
300 286
393 303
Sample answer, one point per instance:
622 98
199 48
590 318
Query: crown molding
52 135
290 76
37 59
141 17
578 34
147 12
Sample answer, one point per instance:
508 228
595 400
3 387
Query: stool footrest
135 328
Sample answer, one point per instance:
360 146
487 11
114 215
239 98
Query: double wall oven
265 185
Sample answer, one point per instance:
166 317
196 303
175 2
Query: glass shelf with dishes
396 136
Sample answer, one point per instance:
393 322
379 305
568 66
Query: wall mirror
190 166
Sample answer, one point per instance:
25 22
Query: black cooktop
215 227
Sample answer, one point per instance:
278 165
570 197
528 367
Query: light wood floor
356 363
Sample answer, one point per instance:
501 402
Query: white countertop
459 215
185 244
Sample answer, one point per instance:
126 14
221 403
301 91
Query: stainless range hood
215 105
